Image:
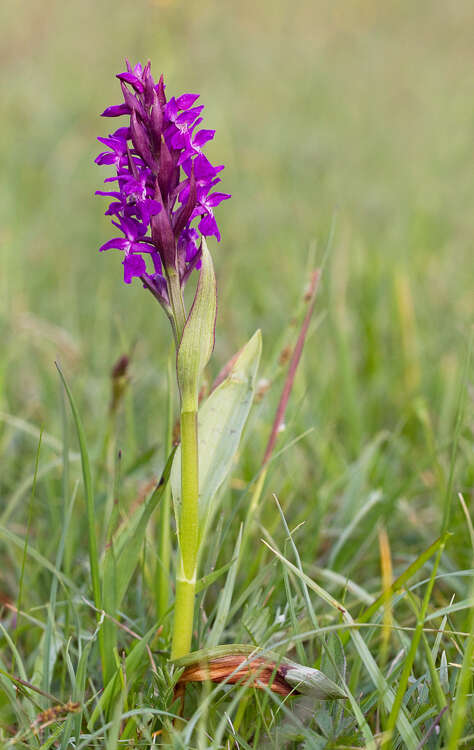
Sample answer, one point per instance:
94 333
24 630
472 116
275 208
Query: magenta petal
171 109
133 265
203 137
186 100
118 243
132 80
123 132
208 227
189 115
106 157
117 144
144 247
112 194
215 198
181 139
202 167
115 208
116 110
188 151
131 227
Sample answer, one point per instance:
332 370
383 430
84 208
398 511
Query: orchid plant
163 202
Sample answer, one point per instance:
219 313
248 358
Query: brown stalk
53 714
294 362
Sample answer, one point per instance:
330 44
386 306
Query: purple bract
163 182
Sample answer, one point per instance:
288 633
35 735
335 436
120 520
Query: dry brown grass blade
236 668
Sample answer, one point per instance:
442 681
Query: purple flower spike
163 202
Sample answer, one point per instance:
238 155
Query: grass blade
225 599
28 527
90 506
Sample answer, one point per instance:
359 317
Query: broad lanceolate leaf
221 420
197 341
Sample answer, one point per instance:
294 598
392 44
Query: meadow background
347 125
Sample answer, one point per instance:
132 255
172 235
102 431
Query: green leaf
197 341
206 581
88 491
221 420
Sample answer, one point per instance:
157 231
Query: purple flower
204 175
118 151
163 181
188 244
133 244
204 207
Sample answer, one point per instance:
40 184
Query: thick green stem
183 618
188 521
188 537
164 559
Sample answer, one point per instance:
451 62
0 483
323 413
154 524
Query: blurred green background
356 116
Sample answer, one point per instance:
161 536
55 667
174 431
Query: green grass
354 120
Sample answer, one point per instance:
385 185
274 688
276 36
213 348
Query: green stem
163 565
188 537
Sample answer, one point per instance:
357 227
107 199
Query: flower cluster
164 200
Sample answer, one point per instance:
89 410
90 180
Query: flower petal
186 100
208 227
111 194
143 247
133 80
214 199
116 110
106 157
117 243
133 265
203 136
